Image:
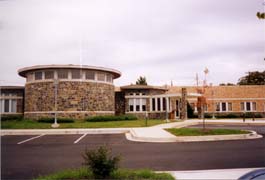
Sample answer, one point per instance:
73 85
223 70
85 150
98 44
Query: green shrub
11 117
59 120
101 162
230 115
110 118
190 111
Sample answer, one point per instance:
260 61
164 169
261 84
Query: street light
55 124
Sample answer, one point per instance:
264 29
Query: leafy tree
227 84
101 162
141 81
253 78
261 15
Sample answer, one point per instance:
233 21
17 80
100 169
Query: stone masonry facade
75 99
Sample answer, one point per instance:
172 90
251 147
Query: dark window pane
164 104
131 107
49 75
137 107
153 104
6 107
158 104
38 75
90 75
62 74
248 106
76 74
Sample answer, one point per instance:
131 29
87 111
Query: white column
141 103
134 105
150 104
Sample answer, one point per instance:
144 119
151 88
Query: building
82 91
68 90
12 100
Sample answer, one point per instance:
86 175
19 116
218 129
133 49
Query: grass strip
84 173
201 132
33 124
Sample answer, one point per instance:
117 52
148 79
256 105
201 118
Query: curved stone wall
75 99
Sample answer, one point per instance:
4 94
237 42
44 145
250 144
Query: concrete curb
132 136
64 131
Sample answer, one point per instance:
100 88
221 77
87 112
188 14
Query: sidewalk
158 134
211 174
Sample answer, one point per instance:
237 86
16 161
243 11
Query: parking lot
29 156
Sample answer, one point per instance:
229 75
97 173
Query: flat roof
136 86
12 87
23 71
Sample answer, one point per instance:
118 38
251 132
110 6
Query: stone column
183 111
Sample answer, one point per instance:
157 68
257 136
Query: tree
141 81
253 78
261 15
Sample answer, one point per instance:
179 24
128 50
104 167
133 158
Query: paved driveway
49 153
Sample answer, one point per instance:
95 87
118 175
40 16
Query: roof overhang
23 71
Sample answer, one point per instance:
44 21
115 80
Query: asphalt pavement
50 153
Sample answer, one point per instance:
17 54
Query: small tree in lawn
141 81
101 162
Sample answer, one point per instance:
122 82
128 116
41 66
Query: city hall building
82 91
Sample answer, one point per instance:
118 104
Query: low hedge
110 118
11 117
59 120
234 115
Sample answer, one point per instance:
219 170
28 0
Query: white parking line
80 138
30 139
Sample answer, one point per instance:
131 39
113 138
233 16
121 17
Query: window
109 78
62 74
248 106
90 75
158 104
49 75
153 104
30 77
13 105
101 76
6 105
164 104
131 105
137 104
143 104
38 75
76 74
223 105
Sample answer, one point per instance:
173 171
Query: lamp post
55 124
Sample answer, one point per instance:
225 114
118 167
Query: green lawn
200 132
83 173
31 124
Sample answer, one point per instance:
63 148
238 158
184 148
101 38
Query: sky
164 40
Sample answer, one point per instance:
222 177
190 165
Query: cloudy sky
164 40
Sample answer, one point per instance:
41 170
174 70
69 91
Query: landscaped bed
84 173
201 132
33 124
